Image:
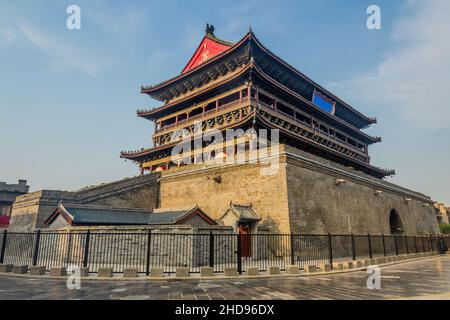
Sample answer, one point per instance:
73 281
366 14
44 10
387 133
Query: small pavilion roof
244 212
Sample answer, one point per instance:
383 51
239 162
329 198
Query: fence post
69 247
431 242
384 244
2 252
36 248
330 250
239 254
86 249
396 245
440 244
370 245
211 249
147 261
353 247
423 243
292 250
415 243
406 244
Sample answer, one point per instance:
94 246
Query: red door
245 241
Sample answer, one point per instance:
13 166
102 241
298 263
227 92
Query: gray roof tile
103 215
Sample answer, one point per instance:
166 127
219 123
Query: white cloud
63 57
7 35
414 78
158 57
121 24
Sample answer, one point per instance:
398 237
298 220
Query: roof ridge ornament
210 30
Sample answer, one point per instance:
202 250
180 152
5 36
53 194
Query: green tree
445 228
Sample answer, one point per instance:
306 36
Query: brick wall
318 205
239 183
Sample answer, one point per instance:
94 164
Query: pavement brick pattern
419 279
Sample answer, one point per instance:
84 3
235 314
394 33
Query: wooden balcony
237 104
309 128
163 136
306 132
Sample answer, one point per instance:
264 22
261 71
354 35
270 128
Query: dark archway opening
395 223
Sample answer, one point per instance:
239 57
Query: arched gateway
395 223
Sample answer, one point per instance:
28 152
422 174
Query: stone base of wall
301 196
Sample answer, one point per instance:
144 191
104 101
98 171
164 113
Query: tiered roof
248 50
217 63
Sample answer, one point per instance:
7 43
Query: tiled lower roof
104 215
107 216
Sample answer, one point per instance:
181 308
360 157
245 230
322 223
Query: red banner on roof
207 49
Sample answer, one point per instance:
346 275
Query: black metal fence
145 250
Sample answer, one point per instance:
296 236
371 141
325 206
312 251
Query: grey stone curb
119 277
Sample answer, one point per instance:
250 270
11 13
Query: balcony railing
309 127
223 108
205 115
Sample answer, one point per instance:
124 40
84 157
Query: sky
68 98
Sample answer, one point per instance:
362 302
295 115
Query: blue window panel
323 103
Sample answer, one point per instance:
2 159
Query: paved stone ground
429 278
